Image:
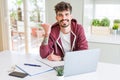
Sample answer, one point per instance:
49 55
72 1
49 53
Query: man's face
64 18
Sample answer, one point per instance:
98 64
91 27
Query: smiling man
63 36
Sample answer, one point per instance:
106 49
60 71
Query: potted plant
59 71
115 28
117 21
94 25
105 22
95 22
100 27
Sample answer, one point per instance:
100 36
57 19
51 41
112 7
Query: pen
34 65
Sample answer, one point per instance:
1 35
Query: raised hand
47 28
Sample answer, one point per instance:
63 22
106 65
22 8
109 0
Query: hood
55 30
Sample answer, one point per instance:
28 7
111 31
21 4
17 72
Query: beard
64 25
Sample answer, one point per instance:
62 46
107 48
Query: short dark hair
61 6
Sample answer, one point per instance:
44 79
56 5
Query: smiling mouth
64 25
64 20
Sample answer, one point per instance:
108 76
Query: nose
63 17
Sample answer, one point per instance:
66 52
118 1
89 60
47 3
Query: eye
60 15
67 14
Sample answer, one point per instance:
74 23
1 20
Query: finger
49 58
52 52
54 57
57 58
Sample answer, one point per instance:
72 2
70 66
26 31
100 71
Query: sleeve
45 50
81 42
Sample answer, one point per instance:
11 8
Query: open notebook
32 69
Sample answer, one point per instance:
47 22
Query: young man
65 35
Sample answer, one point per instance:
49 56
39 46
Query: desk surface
8 59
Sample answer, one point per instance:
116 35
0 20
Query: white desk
104 71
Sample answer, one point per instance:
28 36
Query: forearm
47 29
45 40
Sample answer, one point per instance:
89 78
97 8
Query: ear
56 18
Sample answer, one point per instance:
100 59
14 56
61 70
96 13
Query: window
111 11
25 19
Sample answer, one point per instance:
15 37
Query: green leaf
60 71
95 22
105 22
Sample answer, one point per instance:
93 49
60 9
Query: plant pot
99 30
114 32
60 78
118 32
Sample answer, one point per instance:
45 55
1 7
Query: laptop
78 62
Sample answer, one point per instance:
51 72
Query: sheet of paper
33 70
50 63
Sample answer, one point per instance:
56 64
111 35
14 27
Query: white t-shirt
65 39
